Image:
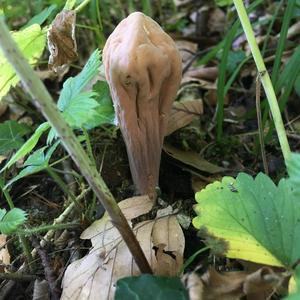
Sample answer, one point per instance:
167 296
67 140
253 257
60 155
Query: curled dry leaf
205 73
93 276
213 285
187 51
183 113
61 41
192 159
4 254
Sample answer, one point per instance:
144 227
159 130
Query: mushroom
143 69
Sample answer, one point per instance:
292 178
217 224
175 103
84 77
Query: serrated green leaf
28 145
257 220
31 41
12 220
74 85
80 109
41 17
293 168
104 112
35 163
149 287
11 133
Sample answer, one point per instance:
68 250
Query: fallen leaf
203 84
61 41
187 50
4 254
194 285
232 285
192 159
216 21
205 73
94 276
183 113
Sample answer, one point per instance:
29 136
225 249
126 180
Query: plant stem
265 79
64 188
89 148
54 227
82 5
23 240
192 258
6 195
43 100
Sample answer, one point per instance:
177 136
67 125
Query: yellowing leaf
255 219
31 41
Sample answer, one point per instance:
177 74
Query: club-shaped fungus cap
143 69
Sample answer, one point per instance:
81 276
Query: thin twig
49 275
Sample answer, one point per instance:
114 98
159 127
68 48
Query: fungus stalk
143 69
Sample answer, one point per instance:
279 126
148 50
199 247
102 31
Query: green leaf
28 145
149 287
256 220
104 111
12 220
31 42
73 86
11 133
223 2
293 168
2 213
234 58
35 163
81 107
41 17
297 85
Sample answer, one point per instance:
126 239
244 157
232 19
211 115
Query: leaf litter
94 276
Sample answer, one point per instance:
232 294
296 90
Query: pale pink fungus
143 69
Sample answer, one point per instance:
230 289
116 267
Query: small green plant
255 219
148 287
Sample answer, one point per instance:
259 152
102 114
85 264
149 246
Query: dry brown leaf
183 113
3 108
200 182
192 159
94 276
4 254
205 73
213 285
187 50
61 41
211 97
194 285
226 286
216 21
203 84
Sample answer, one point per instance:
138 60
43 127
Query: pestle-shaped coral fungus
143 69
